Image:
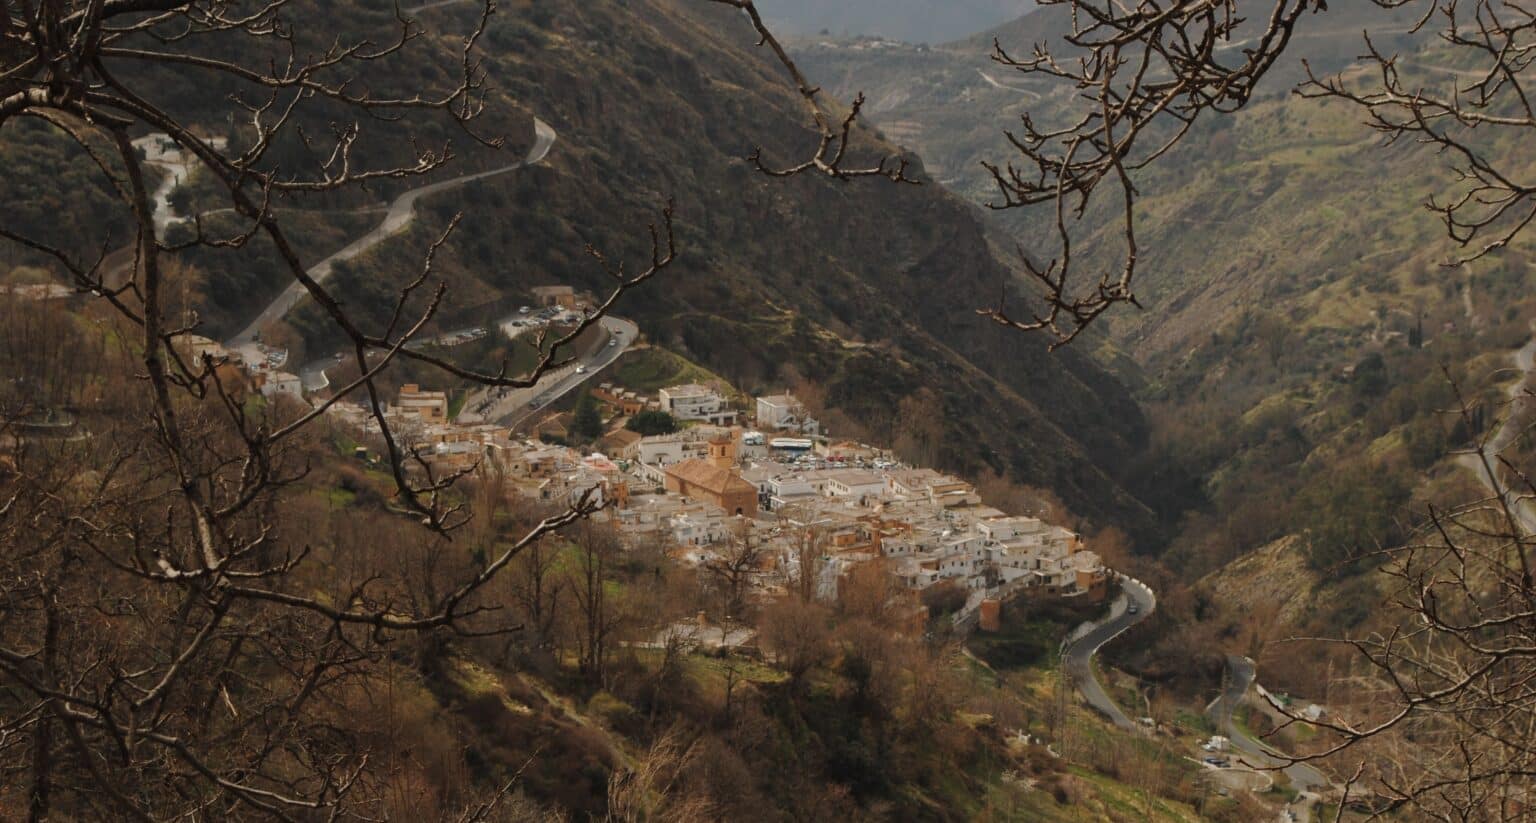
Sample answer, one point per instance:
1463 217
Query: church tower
722 451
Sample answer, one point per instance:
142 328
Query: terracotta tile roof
710 477
621 438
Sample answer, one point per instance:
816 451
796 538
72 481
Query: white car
581 369
612 343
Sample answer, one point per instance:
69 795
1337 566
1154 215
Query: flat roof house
430 406
692 401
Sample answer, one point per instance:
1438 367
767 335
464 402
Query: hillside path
401 213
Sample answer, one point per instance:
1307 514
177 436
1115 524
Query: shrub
650 423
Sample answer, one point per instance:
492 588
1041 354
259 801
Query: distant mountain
1282 250
952 103
915 21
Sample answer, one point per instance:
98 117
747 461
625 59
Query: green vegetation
651 422
586 422
1297 320
1022 644
51 196
650 368
838 714
874 294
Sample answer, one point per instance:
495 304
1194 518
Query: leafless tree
734 567
796 634
807 538
654 788
1450 737
834 134
168 647
600 612
1476 124
1441 728
1145 72
1148 71
538 593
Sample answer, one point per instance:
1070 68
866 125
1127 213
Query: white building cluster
708 490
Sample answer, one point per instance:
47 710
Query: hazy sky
918 21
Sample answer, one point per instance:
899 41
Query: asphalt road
1078 657
401 212
313 374
1240 673
1522 404
512 407
177 167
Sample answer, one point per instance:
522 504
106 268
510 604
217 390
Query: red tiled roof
711 478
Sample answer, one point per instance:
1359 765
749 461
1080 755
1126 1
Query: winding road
402 210
178 165
1078 656
434 5
512 407
997 84
1522 404
1305 778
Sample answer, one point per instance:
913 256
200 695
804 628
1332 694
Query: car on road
1132 609
525 310
612 343
533 404
581 369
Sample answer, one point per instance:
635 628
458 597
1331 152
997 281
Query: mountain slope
952 103
862 293
915 21
1296 316
862 289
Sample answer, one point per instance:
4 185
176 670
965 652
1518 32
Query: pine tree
587 423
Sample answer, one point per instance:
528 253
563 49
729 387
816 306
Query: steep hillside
951 103
863 291
1296 314
846 712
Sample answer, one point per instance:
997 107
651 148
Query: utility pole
1059 725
